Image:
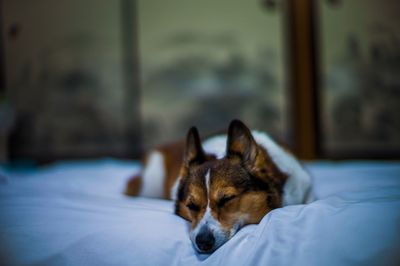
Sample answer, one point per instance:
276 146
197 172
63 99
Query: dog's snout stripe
207 181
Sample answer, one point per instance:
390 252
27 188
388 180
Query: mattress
74 213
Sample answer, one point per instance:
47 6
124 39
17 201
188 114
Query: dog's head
219 196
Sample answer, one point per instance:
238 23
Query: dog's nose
205 240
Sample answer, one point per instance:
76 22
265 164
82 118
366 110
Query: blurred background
95 78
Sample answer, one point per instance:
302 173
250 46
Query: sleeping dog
224 182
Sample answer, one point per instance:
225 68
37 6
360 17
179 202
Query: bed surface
75 214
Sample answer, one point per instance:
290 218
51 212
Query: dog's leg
134 185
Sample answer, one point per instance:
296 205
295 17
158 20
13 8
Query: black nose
205 240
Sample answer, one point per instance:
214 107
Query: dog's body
224 182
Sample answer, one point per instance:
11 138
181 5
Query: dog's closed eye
193 207
225 199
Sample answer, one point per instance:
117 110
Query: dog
224 182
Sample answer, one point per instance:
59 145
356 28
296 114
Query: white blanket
75 214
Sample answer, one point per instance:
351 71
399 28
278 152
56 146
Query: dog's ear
241 143
242 146
194 153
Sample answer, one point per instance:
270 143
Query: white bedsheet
75 214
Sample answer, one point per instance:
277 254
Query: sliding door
206 62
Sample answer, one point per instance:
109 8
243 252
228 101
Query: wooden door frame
302 61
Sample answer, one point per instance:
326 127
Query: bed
74 213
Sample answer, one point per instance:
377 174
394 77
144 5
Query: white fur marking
207 182
154 176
